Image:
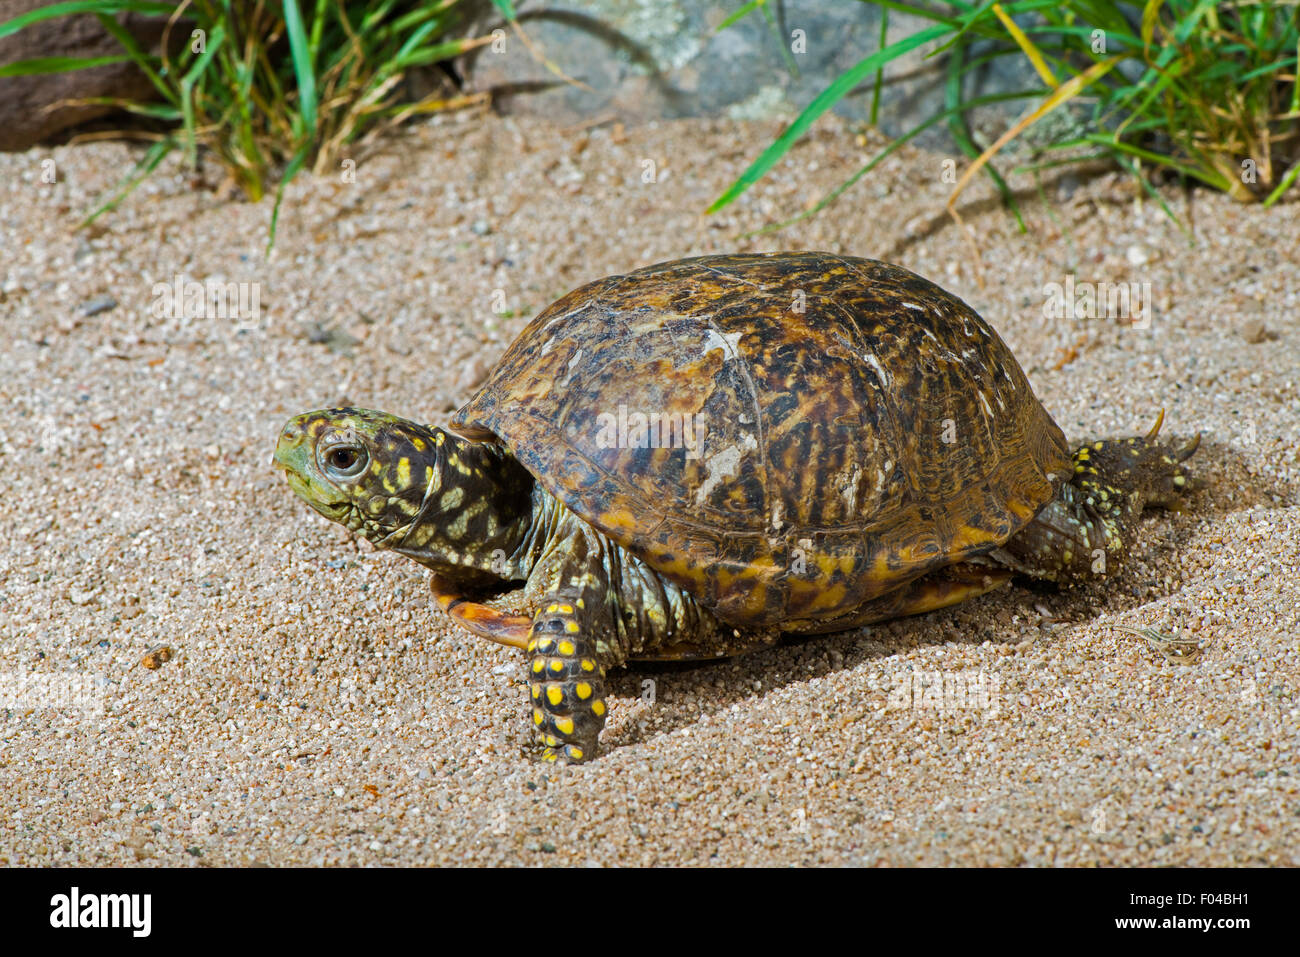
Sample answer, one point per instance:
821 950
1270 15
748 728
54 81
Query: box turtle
691 459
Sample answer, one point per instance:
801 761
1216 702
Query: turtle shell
787 436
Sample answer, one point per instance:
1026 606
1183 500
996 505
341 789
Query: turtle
693 459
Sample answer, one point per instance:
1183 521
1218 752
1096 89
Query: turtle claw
1155 429
1185 453
565 754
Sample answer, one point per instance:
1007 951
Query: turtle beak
293 450
291 456
290 453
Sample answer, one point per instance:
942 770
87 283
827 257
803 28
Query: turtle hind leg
566 682
1084 533
1140 467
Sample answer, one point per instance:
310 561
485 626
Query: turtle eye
345 460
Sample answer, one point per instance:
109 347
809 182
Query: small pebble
97 305
155 658
1254 331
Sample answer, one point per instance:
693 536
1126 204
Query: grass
1199 90
269 87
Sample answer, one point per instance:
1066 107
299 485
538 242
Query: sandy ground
318 709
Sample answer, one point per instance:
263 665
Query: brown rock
1254 330
155 658
24 119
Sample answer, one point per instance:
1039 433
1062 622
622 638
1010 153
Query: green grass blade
302 68
1154 194
1282 187
59 64
292 170
138 56
891 148
192 76
880 73
147 165
740 14
56 10
820 104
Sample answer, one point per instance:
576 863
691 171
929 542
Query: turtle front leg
1085 532
566 680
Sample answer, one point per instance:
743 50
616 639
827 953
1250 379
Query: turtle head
457 506
370 471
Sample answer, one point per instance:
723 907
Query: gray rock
94 307
654 59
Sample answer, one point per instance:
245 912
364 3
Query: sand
318 709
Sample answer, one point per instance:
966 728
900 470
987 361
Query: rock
24 120
155 658
644 60
97 305
1254 331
